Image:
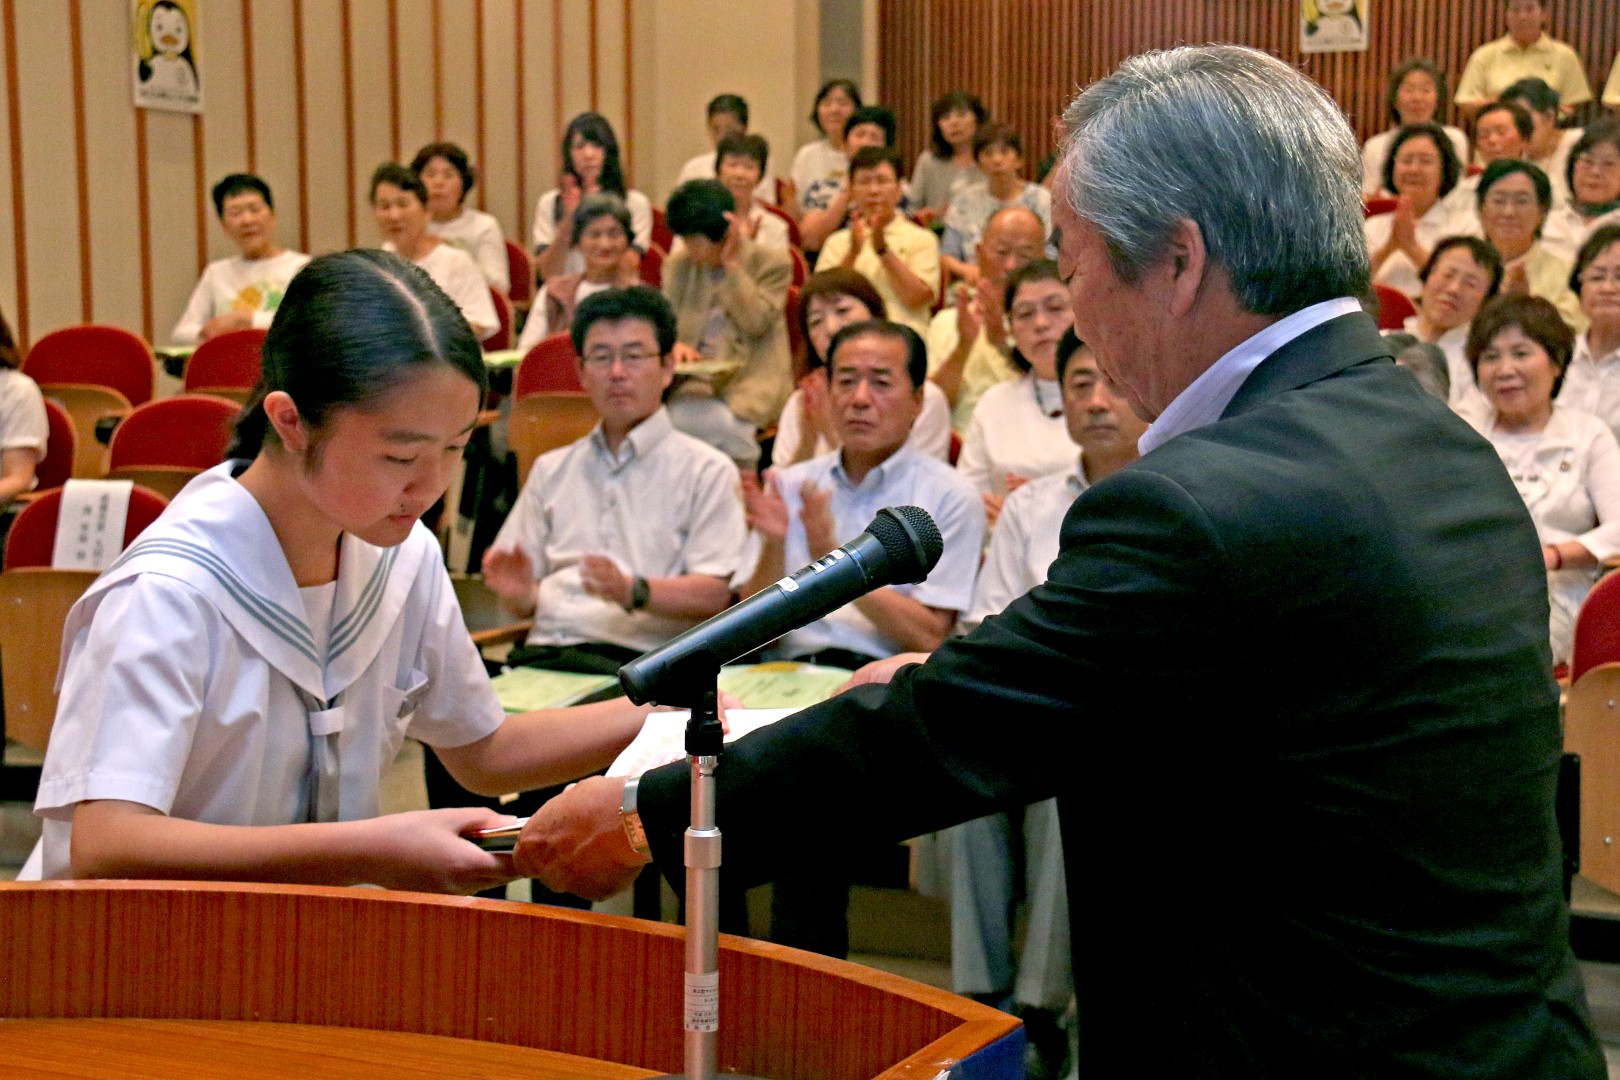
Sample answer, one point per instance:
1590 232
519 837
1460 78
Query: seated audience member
24 429
1550 145
1422 169
739 162
1514 198
824 205
1565 463
802 512
1018 431
1594 183
1416 94
900 259
632 534
242 292
448 175
1000 153
948 164
727 116
1524 51
729 295
1502 133
1426 362
986 854
825 161
1462 274
967 340
1592 383
601 236
399 201
831 300
591 164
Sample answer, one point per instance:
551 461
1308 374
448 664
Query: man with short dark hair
1294 658
241 292
1524 51
900 259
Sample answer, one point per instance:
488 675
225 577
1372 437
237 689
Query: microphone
900 546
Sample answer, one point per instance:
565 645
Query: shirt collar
1207 397
638 442
1583 352
878 475
1535 46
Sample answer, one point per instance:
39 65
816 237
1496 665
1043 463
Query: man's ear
283 415
1185 261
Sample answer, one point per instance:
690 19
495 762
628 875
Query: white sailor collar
216 538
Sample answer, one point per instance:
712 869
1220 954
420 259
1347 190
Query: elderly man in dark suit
1288 676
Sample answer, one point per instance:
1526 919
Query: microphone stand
701 1015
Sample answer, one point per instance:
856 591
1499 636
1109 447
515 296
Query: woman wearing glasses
1514 200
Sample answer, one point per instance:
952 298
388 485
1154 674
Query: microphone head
910 539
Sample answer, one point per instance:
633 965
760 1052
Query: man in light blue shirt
804 511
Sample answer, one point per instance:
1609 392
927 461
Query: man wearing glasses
630 535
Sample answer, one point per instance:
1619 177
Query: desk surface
202 1049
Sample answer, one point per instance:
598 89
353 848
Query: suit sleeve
1139 580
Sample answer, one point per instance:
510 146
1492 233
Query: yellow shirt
1548 276
985 365
1499 64
916 247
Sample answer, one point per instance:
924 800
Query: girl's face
834 111
829 314
1416 98
375 469
588 158
443 185
603 244
958 127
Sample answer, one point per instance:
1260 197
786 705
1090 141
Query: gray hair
1426 362
1251 151
599 205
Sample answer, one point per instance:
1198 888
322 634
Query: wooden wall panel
49 172
325 135
458 78
373 121
115 247
275 124
499 183
414 26
171 215
1027 58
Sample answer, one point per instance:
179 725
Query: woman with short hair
1593 174
1422 169
1514 200
948 164
1592 383
601 235
1415 94
448 174
1565 463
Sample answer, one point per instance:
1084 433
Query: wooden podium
204 979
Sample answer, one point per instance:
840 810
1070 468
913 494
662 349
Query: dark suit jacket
1290 680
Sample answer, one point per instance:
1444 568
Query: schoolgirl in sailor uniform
235 685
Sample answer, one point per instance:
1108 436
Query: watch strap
630 818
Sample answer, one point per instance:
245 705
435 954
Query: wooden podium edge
575 982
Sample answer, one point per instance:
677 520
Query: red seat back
502 337
660 230
550 367
101 355
652 266
801 266
33 534
1394 308
1597 628
795 331
227 360
520 273
1373 207
190 432
60 444
792 226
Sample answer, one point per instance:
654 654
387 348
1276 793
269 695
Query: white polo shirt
907 478
480 236
1592 383
1025 542
1013 431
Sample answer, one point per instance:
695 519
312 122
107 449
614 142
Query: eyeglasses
1600 277
602 359
1600 164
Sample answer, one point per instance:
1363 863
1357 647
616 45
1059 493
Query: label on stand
703 1001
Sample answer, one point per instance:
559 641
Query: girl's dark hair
1539 321
353 326
594 128
949 103
846 85
1398 76
1039 270
838 281
455 155
1450 165
10 355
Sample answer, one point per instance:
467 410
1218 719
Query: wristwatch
631 819
640 593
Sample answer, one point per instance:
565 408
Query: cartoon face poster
1333 25
165 57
